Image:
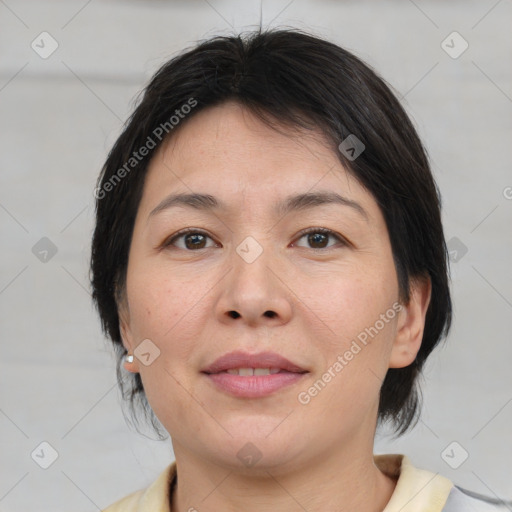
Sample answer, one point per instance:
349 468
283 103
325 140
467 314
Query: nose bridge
251 259
252 291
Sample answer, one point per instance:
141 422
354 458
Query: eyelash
301 234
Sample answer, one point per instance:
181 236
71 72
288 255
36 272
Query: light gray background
59 117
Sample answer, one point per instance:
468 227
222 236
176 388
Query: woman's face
247 278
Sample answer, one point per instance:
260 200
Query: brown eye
192 240
318 238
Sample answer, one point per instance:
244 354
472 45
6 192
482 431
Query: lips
243 375
243 362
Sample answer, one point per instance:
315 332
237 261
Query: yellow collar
416 490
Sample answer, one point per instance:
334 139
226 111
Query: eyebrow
294 203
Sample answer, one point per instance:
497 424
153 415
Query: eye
193 239
319 237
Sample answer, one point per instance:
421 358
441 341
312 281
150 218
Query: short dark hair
291 78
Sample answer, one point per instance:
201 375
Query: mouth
246 375
249 372
243 363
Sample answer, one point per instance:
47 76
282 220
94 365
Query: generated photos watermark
137 156
304 397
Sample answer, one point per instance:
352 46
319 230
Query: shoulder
421 490
463 500
154 498
129 503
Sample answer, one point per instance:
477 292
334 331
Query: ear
411 324
127 339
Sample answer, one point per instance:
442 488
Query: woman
270 264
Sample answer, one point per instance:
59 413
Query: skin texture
317 455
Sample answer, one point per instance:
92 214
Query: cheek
344 303
355 339
168 309
355 365
165 310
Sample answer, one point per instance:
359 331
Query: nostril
270 314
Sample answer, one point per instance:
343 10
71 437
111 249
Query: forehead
228 152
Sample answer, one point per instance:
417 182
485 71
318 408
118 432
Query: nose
255 293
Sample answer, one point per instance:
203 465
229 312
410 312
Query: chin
258 428
260 444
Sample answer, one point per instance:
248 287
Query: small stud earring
128 358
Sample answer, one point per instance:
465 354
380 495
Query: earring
128 358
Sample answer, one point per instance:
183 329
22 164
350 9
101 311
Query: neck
340 480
